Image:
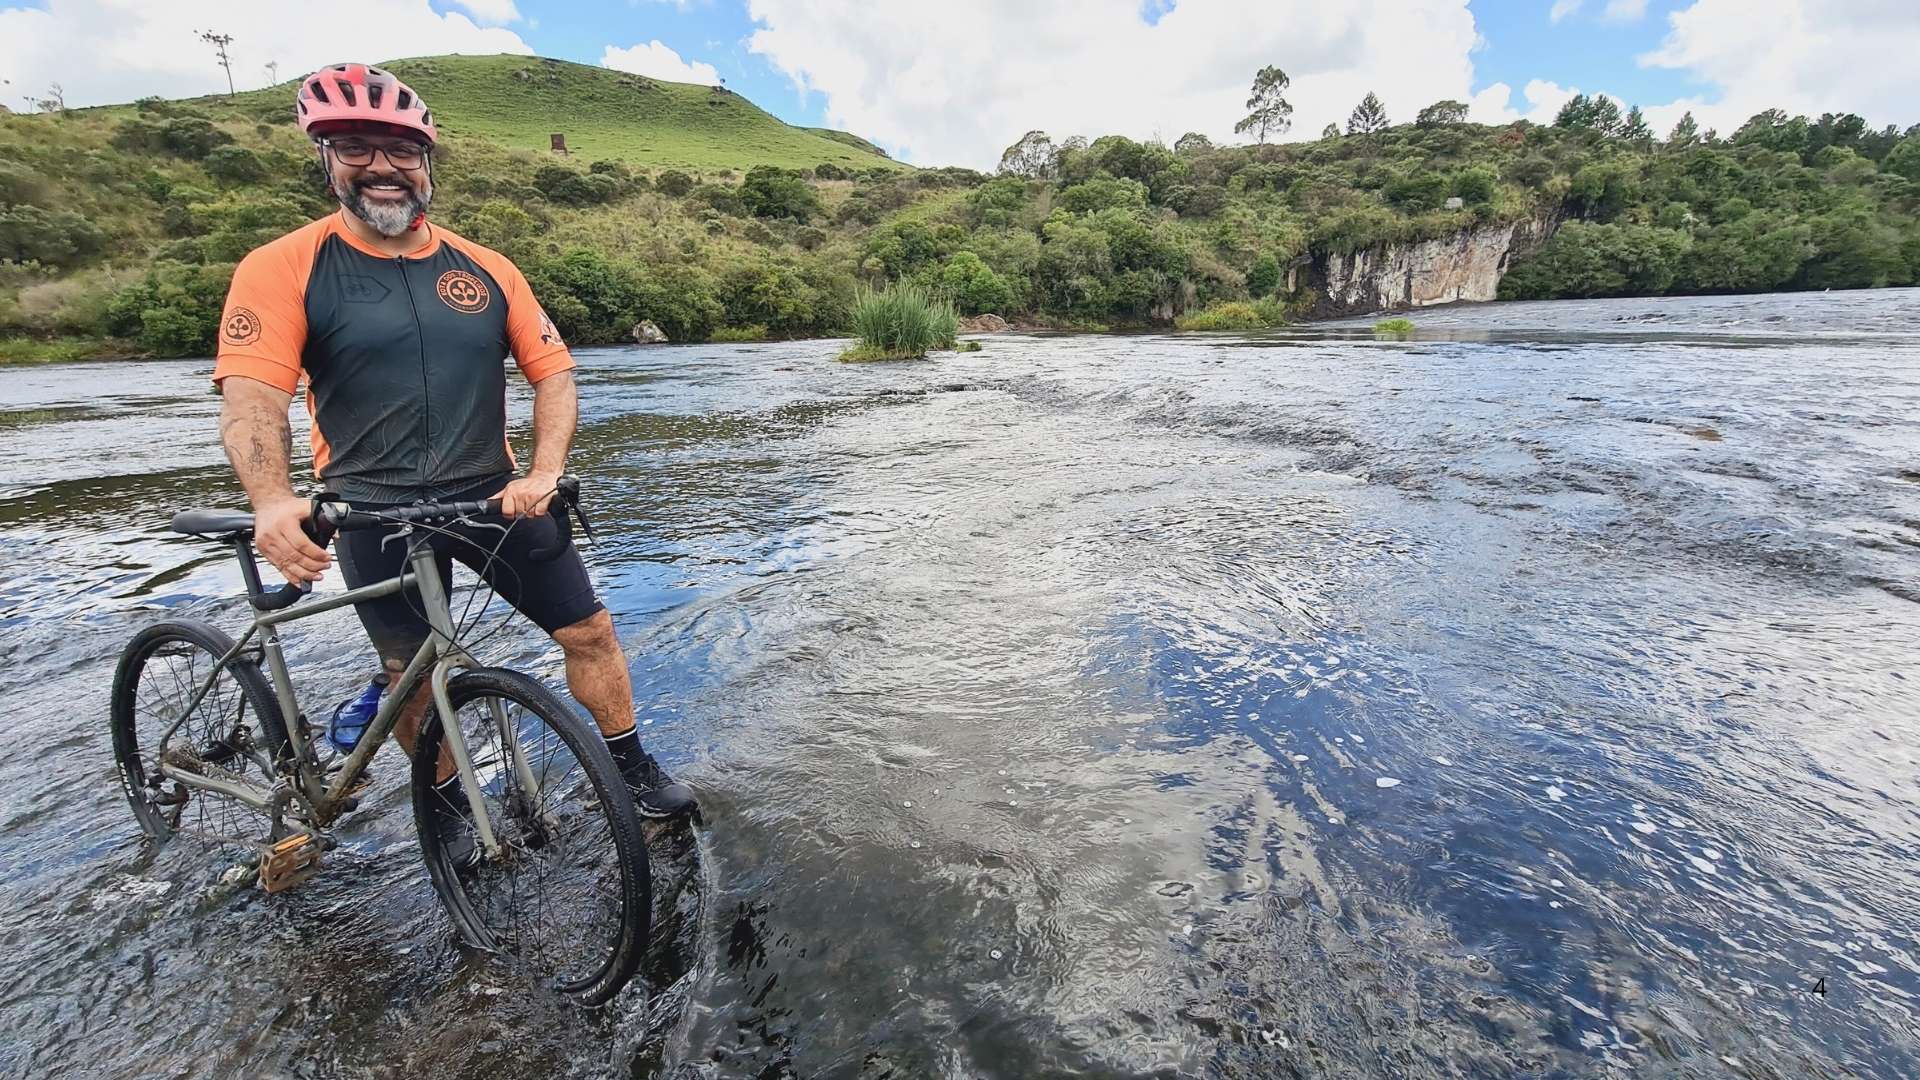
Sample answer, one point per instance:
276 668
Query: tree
1331 131
1368 116
1904 159
220 43
1441 112
1597 113
1264 277
1032 156
273 71
1192 143
1684 133
1269 112
1635 127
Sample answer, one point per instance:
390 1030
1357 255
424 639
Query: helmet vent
319 92
403 100
346 92
374 94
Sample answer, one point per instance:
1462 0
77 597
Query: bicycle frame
437 658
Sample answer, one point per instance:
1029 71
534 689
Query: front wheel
568 892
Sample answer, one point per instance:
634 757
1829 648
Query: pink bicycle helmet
344 94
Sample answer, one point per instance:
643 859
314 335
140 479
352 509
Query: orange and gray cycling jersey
403 356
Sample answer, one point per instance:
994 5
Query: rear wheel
567 896
226 735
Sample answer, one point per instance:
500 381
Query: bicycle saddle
212 522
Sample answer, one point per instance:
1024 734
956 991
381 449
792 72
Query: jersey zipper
426 410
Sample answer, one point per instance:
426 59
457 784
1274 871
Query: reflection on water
1534 696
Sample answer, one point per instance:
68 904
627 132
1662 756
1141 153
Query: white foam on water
1299 757
1554 793
1444 761
1702 865
1386 782
1646 827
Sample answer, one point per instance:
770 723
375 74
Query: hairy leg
407 728
597 672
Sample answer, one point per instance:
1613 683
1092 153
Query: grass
1397 328
733 335
1234 315
900 322
20 350
520 102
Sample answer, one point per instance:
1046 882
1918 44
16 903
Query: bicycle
543 796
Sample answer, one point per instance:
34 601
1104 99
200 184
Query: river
1536 696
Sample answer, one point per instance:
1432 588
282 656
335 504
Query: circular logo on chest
462 292
240 327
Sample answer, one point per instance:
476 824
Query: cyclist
400 330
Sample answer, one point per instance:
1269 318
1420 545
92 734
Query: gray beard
387 219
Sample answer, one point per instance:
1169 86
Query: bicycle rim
221 738
566 899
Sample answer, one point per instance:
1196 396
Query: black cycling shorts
553 592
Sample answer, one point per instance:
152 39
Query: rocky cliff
1395 277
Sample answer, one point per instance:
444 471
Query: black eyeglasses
405 156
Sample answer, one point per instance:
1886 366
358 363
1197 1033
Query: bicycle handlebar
331 516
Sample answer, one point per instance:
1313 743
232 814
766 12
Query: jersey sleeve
534 339
263 328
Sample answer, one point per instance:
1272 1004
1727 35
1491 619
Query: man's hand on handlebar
278 533
527 495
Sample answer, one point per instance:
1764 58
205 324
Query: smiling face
366 179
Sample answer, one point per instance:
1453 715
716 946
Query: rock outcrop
1466 266
645 333
983 324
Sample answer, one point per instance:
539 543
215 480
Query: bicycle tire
247 702
591 791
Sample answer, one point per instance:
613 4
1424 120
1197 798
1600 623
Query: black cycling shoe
655 794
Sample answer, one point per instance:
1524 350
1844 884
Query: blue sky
1521 42
956 81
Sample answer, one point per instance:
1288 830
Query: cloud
941 83
656 61
1562 9
1494 105
491 12
1834 56
1624 11
103 51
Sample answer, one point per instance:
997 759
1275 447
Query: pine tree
1370 115
1635 128
1684 133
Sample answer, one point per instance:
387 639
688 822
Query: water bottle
351 717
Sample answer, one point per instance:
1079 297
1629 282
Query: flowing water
1534 697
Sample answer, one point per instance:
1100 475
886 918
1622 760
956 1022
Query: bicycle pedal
290 862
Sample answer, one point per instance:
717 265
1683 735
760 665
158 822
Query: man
400 330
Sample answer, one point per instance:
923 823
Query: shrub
235 165
827 170
1234 315
573 188
1397 328
1103 194
52 237
719 198
673 182
973 286
1475 186
1585 260
1417 191
771 192
1265 275
899 323
174 310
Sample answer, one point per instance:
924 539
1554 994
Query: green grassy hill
120 227
519 102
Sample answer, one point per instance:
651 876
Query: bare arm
556 412
259 442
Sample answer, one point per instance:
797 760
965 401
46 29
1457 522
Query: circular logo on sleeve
240 327
463 292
